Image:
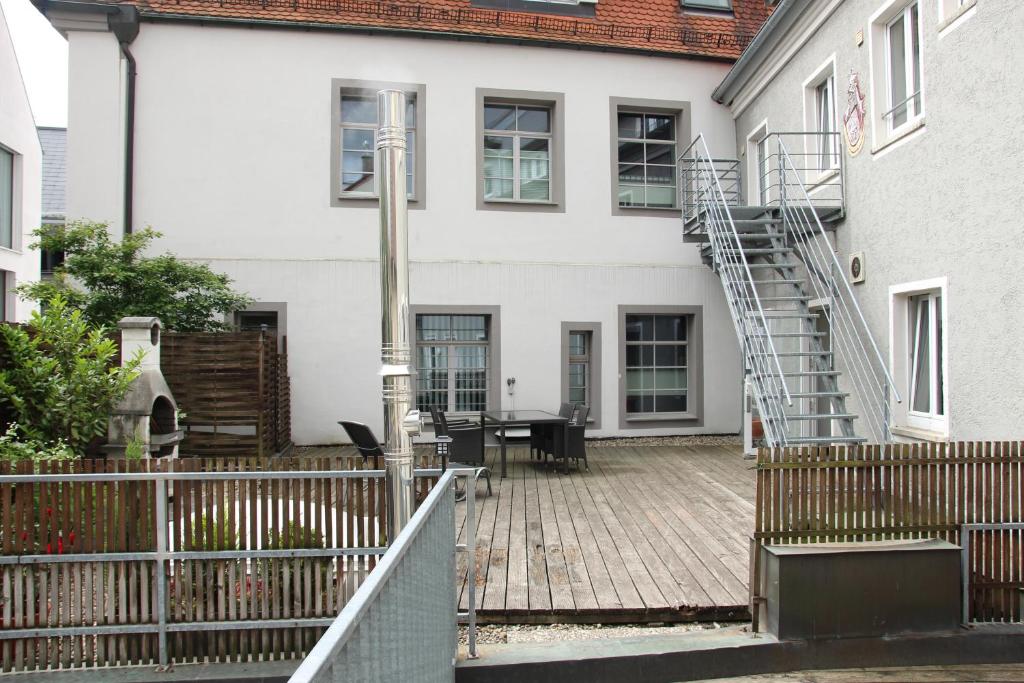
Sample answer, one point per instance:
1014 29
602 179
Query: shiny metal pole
401 421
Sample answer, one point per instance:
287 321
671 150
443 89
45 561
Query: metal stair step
798 354
822 416
757 251
791 334
807 440
778 313
778 298
771 265
810 373
809 394
780 281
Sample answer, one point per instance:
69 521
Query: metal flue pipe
401 421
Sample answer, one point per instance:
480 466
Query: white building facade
545 246
20 163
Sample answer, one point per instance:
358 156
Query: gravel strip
517 633
696 440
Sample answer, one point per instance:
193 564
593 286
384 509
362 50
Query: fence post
161 572
471 560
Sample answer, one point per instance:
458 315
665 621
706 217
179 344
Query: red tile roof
647 25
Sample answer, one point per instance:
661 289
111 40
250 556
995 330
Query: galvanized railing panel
401 623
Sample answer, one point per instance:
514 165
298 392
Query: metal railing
165 555
852 344
818 169
401 625
701 184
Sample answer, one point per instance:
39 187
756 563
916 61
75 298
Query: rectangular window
358 153
656 363
6 199
708 4
825 122
453 357
925 359
579 367
646 159
763 171
517 152
903 68
255 321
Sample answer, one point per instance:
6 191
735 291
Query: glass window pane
357 162
661 197
661 175
921 357
670 403
499 117
631 126
410 112
670 328
669 379
359 139
533 169
534 148
6 203
636 403
577 374
356 109
669 355
915 60
357 182
631 152
577 343
639 328
535 119
577 395
940 405
639 355
631 195
497 167
535 190
897 72
497 189
660 127
433 327
498 145
631 173
661 154
638 381
469 327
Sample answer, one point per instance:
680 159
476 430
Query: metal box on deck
851 590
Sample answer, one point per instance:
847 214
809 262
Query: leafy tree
59 380
108 279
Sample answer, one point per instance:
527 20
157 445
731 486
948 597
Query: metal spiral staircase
815 372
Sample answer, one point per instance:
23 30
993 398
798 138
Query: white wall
233 135
18 135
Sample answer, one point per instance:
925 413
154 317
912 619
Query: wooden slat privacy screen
901 491
233 516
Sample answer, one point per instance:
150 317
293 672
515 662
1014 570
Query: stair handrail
699 144
803 196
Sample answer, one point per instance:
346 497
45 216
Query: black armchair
365 442
465 444
541 434
577 444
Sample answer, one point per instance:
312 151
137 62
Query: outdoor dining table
519 418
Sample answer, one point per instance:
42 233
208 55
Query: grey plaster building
908 122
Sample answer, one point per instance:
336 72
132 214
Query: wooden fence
233 389
901 491
256 558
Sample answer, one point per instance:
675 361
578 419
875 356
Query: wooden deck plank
538 581
562 597
517 591
497 559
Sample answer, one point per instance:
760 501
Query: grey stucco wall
941 204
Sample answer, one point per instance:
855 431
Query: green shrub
59 379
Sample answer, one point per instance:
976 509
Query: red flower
49 512
24 535
49 549
71 538
60 546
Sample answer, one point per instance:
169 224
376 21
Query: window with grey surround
6 199
358 153
646 159
255 321
453 358
657 363
517 142
903 67
580 344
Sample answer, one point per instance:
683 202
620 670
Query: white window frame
584 359
758 170
824 74
411 133
517 136
11 190
905 419
882 133
914 101
452 368
640 111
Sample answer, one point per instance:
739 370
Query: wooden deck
649 534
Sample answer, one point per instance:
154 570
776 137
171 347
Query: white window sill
661 417
919 434
11 250
648 208
897 135
947 22
343 196
520 202
822 178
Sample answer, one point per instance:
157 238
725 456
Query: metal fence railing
401 625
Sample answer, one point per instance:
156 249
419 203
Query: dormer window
575 8
713 5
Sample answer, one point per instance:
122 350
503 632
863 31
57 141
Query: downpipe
401 420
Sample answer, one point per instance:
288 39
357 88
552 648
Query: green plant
135 448
206 537
58 378
299 538
14 449
109 279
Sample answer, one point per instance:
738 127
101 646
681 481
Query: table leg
503 470
565 446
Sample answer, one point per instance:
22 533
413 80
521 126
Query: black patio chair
577 443
464 442
542 433
365 442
